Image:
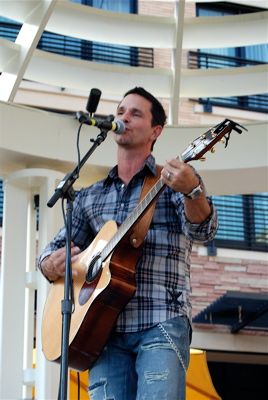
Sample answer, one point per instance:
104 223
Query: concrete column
20 280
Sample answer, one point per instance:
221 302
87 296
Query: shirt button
122 205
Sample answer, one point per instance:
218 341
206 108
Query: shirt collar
149 167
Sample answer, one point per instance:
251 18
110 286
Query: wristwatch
195 193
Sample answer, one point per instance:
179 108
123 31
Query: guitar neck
194 152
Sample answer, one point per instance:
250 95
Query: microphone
117 127
93 101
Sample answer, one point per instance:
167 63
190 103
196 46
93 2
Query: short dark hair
158 113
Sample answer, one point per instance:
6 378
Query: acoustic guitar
105 282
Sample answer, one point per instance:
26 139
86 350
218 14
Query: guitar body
96 304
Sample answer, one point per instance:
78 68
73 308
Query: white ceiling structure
136 30
21 60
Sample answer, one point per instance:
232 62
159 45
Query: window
88 50
230 57
243 221
114 53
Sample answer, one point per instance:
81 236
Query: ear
157 130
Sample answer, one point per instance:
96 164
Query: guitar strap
141 227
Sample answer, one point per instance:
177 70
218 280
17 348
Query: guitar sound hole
94 268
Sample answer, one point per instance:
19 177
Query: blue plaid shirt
163 271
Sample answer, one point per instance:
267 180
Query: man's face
135 112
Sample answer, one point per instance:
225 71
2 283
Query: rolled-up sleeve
205 231
81 232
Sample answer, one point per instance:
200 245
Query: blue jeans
146 365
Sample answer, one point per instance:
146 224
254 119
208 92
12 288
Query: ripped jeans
146 365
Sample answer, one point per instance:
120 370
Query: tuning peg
202 159
212 150
223 140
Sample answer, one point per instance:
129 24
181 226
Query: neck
129 163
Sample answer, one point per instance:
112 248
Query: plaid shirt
163 271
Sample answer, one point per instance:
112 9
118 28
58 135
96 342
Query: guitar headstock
207 140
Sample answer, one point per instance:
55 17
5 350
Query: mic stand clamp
101 137
65 191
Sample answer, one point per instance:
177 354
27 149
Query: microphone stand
65 191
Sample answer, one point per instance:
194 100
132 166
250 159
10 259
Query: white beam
223 82
105 26
114 80
209 339
71 73
241 168
26 40
176 64
90 23
228 31
9 51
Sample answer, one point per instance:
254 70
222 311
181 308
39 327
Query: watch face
195 192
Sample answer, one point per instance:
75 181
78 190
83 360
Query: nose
125 116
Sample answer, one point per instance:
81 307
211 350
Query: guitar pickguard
88 289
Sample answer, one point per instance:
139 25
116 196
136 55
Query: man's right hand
53 266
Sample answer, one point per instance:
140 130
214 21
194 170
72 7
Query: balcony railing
198 59
258 103
86 50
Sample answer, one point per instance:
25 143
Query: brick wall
211 277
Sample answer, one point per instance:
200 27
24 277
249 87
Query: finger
174 163
75 266
58 261
75 250
59 256
171 169
50 269
166 175
169 175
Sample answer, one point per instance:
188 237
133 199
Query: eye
137 114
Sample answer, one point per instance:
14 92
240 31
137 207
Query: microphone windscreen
93 100
120 127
